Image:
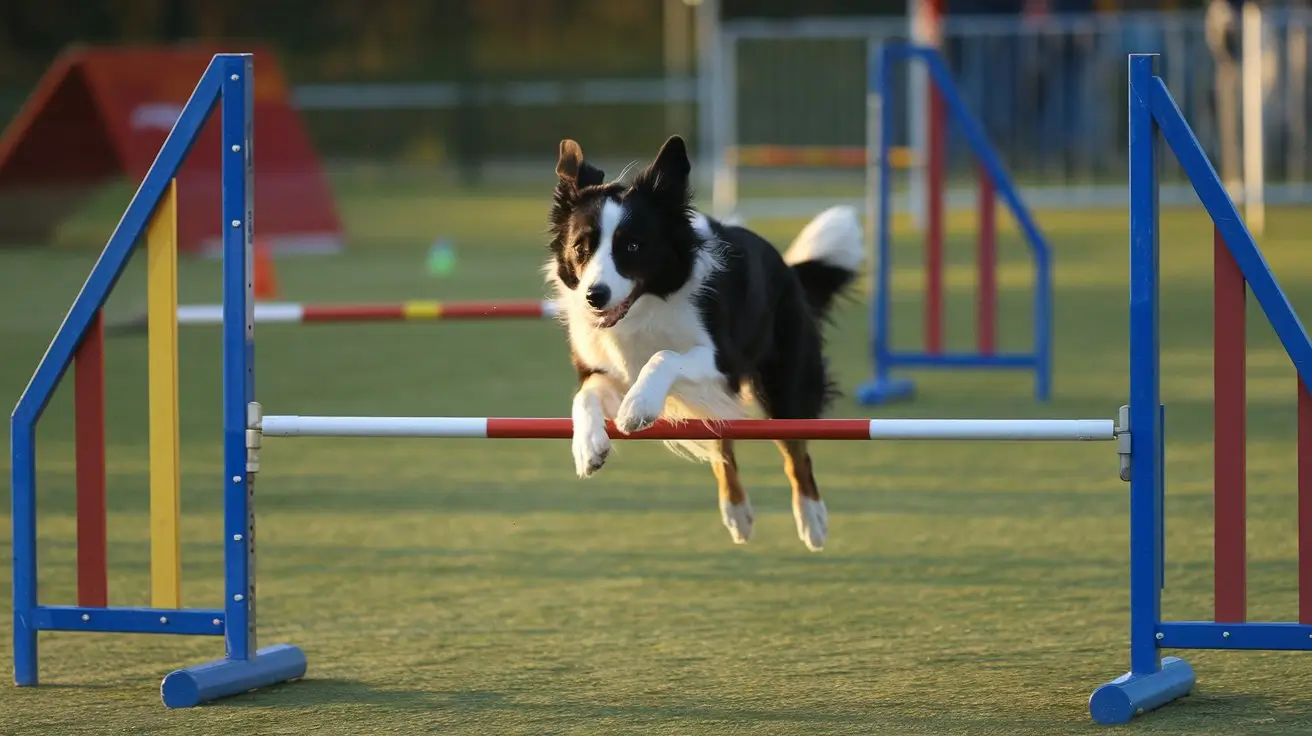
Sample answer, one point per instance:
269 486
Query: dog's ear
570 161
671 165
572 169
667 176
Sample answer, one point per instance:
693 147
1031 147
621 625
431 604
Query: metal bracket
254 435
1123 441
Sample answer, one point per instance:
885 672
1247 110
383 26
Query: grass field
478 587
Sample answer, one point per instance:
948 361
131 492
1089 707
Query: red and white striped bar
1069 430
297 313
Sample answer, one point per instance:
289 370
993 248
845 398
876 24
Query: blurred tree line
473 44
343 40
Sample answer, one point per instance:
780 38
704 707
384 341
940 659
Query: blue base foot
1130 695
223 677
885 391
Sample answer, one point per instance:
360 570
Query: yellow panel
422 310
162 352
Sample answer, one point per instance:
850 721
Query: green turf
477 587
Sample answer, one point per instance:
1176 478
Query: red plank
352 312
1230 435
986 313
89 434
1304 503
934 240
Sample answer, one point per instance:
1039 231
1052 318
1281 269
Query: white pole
712 104
874 119
297 426
212 314
677 37
924 29
1296 48
993 429
1254 201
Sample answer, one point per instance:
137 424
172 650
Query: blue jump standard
1153 680
882 388
227 85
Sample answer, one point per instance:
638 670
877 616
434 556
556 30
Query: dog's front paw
812 522
639 410
591 447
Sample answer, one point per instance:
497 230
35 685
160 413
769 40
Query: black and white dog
672 314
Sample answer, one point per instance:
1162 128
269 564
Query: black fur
765 330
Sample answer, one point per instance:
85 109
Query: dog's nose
598 296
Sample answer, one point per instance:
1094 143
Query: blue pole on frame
883 82
238 354
1153 680
1145 373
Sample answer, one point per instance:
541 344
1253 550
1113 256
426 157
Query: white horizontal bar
212 314
297 426
993 429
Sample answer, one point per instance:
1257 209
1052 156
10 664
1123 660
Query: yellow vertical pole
162 359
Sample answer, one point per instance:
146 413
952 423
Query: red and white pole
1070 430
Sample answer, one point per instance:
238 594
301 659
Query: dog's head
613 243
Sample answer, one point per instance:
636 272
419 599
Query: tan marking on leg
726 475
735 510
808 510
797 464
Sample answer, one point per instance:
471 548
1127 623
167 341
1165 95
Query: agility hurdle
227 84
994 181
407 311
1052 430
1153 680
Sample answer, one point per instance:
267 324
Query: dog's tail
827 255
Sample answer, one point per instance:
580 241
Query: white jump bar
835 429
1057 430
212 314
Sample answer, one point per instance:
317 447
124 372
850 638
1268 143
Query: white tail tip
832 237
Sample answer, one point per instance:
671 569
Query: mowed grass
478 587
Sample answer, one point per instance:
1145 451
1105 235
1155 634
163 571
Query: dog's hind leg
808 508
735 509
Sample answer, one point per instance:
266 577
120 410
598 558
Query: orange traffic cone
266 274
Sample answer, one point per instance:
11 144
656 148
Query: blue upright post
22 440
882 388
245 667
238 343
1151 681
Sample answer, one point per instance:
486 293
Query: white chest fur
652 324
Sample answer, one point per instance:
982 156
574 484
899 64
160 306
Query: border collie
672 314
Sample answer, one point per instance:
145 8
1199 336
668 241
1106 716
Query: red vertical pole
986 313
89 431
937 165
1230 438
1304 503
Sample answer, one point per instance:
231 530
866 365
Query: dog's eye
633 246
